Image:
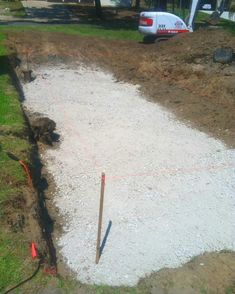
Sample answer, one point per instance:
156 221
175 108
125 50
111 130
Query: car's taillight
144 21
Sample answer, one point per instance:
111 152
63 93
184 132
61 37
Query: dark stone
27 76
43 129
223 55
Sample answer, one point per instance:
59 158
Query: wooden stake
100 218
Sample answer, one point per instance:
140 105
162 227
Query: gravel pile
170 188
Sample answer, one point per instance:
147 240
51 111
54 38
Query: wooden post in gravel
100 218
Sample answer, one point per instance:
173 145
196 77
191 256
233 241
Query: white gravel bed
169 191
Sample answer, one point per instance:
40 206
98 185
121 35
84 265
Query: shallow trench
169 192
41 217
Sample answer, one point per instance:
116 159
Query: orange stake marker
33 250
26 169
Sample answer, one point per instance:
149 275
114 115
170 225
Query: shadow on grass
113 18
4 65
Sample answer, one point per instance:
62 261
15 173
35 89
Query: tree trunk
173 6
160 5
163 5
137 4
98 8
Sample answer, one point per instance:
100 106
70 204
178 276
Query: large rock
43 128
223 55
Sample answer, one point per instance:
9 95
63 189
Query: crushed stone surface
169 191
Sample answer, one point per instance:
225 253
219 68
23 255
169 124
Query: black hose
26 280
12 156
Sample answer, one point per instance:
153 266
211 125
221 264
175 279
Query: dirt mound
188 60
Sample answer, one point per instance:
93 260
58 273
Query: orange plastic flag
33 250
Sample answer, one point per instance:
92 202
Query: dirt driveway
43 11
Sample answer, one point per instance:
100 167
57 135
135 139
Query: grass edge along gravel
13 246
15 260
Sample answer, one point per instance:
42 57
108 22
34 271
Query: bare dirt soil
180 75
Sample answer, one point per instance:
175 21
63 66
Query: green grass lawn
227 25
96 31
13 8
11 130
82 30
109 30
13 249
15 261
